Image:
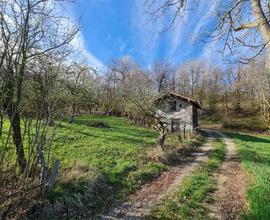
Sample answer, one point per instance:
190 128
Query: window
173 106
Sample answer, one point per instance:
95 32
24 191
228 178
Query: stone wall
182 116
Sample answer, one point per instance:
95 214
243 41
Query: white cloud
78 42
94 61
206 18
176 37
149 43
212 52
208 50
122 47
145 31
192 24
188 26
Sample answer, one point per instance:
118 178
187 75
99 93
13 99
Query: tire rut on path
229 196
140 203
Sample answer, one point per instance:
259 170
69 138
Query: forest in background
45 81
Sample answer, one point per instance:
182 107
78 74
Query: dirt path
140 203
229 196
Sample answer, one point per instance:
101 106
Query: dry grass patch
81 191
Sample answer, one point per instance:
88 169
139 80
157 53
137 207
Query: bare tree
139 92
162 73
257 84
190 74
243 27
76 74
241 23
28 29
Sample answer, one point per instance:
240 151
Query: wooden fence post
43 170
54 174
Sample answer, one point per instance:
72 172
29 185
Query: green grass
255 156
117 151
187 201
98 163
172 140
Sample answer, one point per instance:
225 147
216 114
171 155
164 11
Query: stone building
178 111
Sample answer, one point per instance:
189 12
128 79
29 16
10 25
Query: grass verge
101 158
188 200
255 159
97 154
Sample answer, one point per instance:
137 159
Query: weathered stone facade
179 112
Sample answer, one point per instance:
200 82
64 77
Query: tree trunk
237 107
54 175
90 110
263 24
72 114
184 130
11 108
48 116
1 124
179 136
17 139
161 141
44 169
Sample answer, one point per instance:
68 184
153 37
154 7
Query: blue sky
118 28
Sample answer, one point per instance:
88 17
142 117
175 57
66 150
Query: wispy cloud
78 43
176 37
211 52
182 44
206 18
145 31
208 51
180 30
122 47
145 41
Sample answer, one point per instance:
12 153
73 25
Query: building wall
183 116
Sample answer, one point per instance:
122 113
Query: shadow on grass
255 156
123 127
92 123
250 151
248 138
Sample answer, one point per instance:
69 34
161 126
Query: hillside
135 109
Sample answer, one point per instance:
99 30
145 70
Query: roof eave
180 97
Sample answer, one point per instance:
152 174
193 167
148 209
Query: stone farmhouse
178 111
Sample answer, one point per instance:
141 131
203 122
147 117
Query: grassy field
187 201
255 157
101 157
117 151
99 153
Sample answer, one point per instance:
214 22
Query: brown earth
140 203
229 199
